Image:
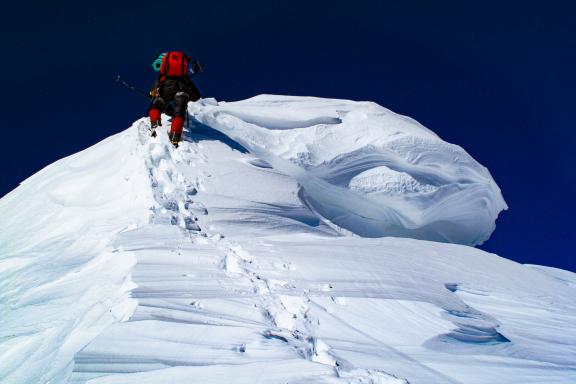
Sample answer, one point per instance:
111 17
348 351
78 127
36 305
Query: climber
172 91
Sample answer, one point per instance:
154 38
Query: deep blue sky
497 80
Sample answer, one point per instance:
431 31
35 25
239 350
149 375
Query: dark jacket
169 86
173 94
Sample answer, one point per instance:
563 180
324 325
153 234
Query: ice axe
118 79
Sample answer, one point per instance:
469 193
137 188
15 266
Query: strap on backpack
166 63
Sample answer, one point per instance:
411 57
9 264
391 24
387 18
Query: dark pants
174 95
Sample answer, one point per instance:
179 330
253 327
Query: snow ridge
245 259
285 321
63 280
329 145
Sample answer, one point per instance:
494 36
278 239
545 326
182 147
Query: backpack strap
166 62
183 63
168 55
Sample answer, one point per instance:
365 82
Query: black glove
196 67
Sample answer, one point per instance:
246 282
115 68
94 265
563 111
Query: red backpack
174 64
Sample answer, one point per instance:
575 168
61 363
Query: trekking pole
117 79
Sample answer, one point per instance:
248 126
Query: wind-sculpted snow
364 168
137 263
61 279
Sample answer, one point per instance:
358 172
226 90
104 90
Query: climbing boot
153 125
175 138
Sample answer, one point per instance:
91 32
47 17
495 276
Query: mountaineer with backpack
172 91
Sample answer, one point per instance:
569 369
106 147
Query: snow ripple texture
62 281
222 262
364 168
204 307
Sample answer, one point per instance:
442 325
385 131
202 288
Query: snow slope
61 280
249 255
365 168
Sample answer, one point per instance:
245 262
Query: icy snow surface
365 168
254 254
